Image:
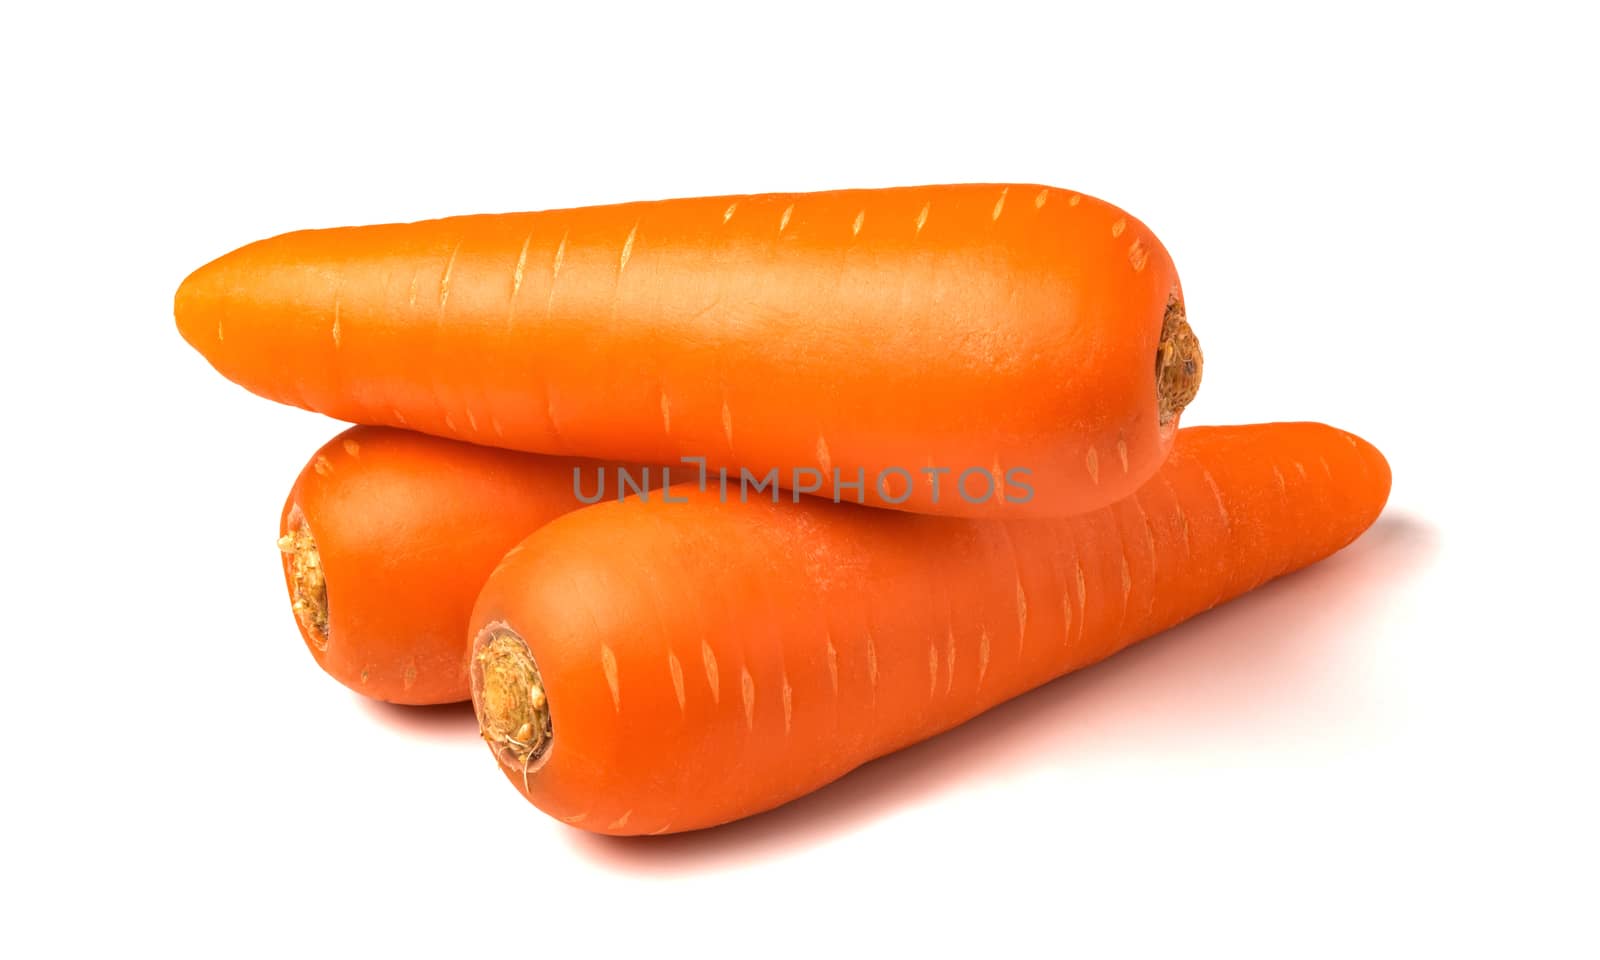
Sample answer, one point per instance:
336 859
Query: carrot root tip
1179 363
509 698
309 584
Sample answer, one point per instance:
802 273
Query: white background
1385 218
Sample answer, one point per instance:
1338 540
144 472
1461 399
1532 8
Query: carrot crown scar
1179 363
308 583
508 693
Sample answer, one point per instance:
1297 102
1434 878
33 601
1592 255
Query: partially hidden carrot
387 537
973 350
646 667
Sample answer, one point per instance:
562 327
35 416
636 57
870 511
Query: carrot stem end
508 696
308 582
1179 363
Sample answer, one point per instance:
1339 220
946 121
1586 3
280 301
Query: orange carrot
387 537
969 350
649 668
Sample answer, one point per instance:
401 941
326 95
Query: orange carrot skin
710 661
407 527
987 326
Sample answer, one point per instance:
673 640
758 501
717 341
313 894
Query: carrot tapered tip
200 306
1380 476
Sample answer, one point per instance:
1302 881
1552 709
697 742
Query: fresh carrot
970 350
645 667
387 537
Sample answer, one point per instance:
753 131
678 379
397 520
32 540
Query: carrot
387 537
646 668
969 350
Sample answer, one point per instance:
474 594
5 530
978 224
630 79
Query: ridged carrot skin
387 537
699 663
988 326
